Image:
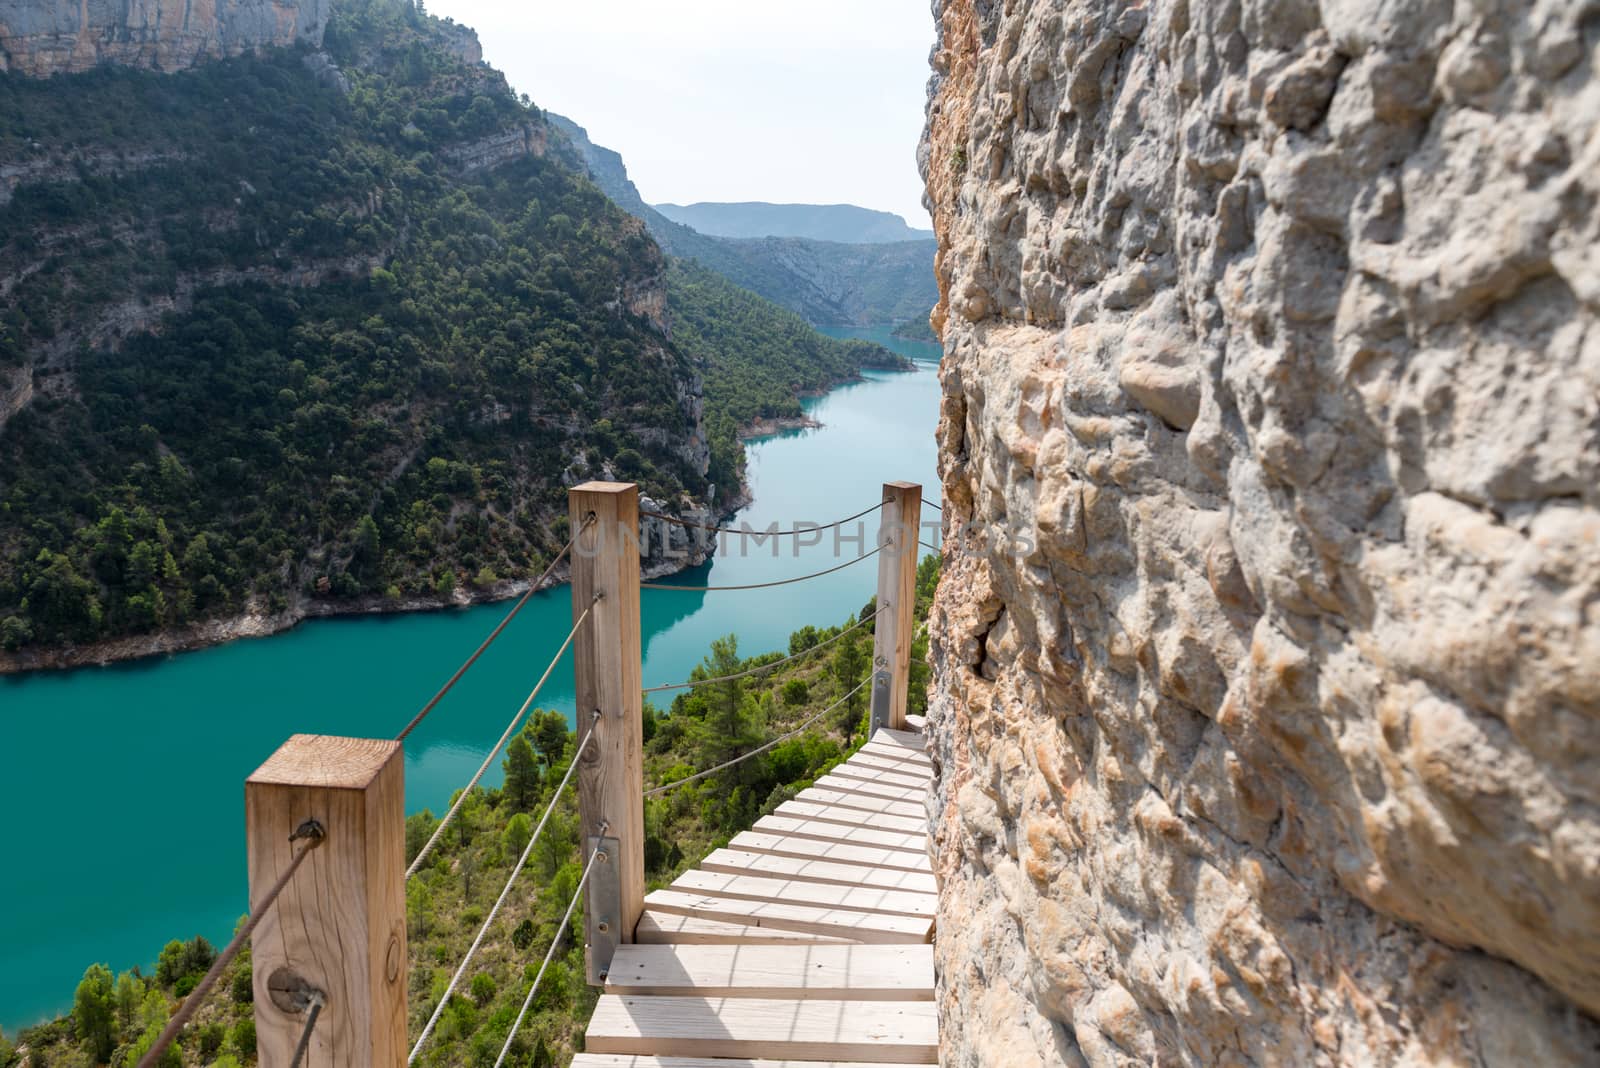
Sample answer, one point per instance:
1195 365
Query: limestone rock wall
1267 660
44 37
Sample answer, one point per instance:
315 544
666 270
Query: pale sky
817 102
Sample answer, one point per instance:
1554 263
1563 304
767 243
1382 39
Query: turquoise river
125 783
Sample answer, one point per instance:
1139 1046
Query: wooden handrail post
895 626
339 927
610 680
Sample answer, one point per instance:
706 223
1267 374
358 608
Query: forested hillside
826 282
308 327
759 358
117 1016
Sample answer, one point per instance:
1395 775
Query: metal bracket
880 702
604 907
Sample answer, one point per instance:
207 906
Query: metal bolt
602 927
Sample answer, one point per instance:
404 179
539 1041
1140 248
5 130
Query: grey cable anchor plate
880 699
605 906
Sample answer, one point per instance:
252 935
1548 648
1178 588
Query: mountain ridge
302 333
827 283
847 224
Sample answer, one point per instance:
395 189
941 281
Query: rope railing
312 833
659 790
527 1002
416 863
762 585
933 548
516 869
675 521
533 587
761 669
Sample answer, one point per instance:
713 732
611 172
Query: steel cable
761 585
527 1002
692 683
533 587
427 847
659 790
313 833
675 521
516 869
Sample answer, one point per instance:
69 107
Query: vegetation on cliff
298 330
115 1017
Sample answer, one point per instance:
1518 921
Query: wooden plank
879 927
743 862
881 781
816 795
839 852
910 739
607 668
854 817
854 898
340 923
839 832
867 773
896 752
885 791
658 928
911 762
903 1032
856 973
632 1060
916 769
899 533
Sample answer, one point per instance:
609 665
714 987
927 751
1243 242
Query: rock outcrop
56 37
1267 657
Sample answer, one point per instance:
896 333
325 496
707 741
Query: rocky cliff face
1267 661
56 37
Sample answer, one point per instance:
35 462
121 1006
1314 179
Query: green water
125 783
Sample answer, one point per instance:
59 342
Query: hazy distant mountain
829 283
844 223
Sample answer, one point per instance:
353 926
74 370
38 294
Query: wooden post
610 674
895 626
339 927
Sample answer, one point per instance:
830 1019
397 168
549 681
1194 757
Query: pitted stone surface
1267 660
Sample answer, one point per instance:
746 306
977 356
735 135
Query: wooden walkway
806 943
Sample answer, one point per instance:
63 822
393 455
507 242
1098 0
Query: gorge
305 333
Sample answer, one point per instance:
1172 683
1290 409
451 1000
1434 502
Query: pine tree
849 665
549 735
94 1008
521 791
